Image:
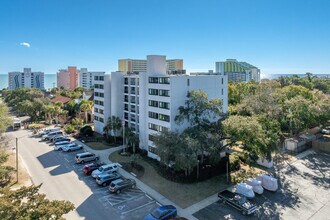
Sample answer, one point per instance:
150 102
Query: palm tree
131 138
86 106
108 127
113 124
116 125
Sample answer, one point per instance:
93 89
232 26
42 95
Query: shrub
87 130
69 129
234 161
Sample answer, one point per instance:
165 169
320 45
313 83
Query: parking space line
148 196
136 208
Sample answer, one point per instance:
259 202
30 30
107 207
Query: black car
237 201
89 168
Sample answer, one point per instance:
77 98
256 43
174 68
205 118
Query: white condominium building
25 79
132 66
238 71
87 78
148 101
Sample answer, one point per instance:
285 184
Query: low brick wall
321 146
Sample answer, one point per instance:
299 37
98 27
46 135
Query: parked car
51 139
50 135
108 168
106 178
117 186
237 201
164 212
45 132
72 147
59 145
85 157
89 168
60 138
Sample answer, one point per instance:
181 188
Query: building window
152 150
153 115
96 78
125 89
153 91
151 137
164 105
126 98
153 103
188 82
126 115
101 119
101 78
161 128
153 126
153 79
163 92
126 107
133 90
126 81
96 118
221 91
164 80
101 111
132 81
164 117
221 80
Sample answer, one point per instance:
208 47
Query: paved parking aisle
62 178
303 194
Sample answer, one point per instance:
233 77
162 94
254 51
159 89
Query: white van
85 157
108 168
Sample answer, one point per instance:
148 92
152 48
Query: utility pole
17 159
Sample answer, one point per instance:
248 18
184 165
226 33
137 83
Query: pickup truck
237 201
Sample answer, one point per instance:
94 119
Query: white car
60 145
108 168
71 147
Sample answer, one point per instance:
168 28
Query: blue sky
278 36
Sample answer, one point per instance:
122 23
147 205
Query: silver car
72 147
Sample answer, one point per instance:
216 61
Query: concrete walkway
187 213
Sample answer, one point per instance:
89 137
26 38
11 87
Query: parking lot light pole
17 159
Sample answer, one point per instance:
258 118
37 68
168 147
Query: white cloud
24 44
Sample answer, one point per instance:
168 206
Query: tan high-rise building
68 78
130 65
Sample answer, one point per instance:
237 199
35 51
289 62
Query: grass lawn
99 145
184 195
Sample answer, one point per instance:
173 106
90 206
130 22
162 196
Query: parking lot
303 194
129 204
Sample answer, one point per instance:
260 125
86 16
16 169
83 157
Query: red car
89 168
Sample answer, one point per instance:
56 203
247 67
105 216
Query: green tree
114 125
5 119
77 123
28 203
86 106
131 138
5 171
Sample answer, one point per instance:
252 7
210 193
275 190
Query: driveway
304 194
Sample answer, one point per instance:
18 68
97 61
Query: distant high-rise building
87 78
131 66
25 79
68 78
238 71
